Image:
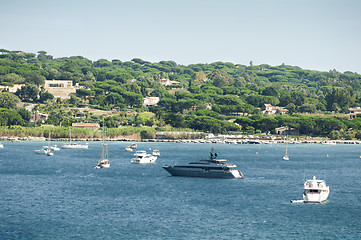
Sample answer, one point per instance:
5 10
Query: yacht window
313 191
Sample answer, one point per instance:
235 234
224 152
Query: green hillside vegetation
205 97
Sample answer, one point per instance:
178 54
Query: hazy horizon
316 35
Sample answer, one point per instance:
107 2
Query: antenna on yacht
213 155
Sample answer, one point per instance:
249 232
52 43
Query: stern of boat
237 173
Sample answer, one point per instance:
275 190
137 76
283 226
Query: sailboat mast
105 148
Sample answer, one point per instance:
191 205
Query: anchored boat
209 168
315 191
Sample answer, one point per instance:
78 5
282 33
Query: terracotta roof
85 125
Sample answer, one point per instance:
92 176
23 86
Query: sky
313 34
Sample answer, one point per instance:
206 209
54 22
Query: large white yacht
210 168
143 157
315 191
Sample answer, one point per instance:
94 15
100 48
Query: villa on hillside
12 89
353 112
167 82
80 115
286 131
150 101
268 109
36 116
60 88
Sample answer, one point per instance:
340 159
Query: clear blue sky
312 34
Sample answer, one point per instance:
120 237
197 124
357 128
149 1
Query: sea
64 197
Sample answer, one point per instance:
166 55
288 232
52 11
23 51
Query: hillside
217 97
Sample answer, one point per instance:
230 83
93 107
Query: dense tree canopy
201 96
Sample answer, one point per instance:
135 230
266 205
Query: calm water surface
64 197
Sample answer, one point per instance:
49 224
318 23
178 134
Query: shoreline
224 140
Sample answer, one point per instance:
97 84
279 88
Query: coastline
218 140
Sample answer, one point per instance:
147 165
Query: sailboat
104 162
46 150
53 147
285 157
71 145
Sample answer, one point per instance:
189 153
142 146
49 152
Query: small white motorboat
1 145
143 157
44 151
53 147
156 153
129 149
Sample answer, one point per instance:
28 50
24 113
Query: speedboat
1 145
328 142
129 149
53 147
44 151
210 168
156 153
315 191
74 146
143 157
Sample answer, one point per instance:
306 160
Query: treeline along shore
18 133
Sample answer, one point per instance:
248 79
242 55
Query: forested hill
195 92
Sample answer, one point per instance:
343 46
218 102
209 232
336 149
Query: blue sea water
64 197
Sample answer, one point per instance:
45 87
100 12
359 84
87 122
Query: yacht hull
315 197
143 161
141 157
71 146
315 191
102 166
200 172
